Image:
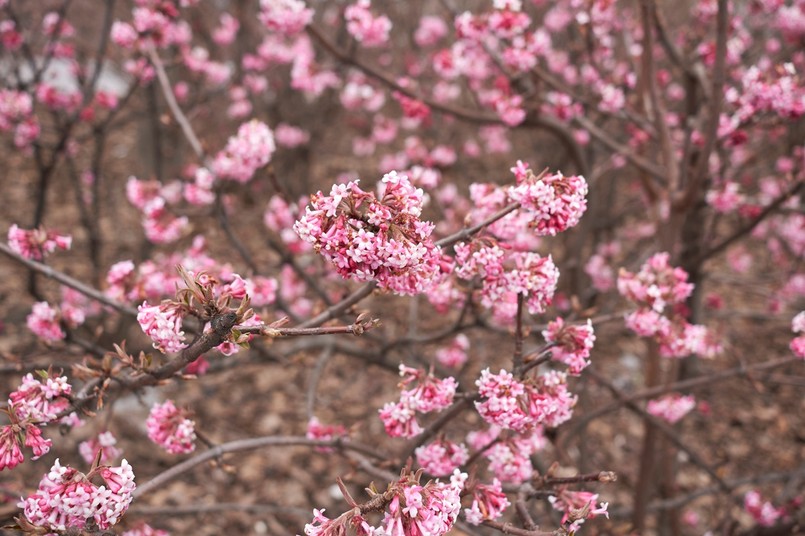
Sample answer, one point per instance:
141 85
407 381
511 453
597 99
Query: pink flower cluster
521 406
554 202
287 17
412 510
153 198
40 400
441 457
156 23
104 442
504 274
572 344
145 529
660 290
372 237
671 408
428 395
798 343
45 322
325 432
656 285
16 114
510 458
367 29
763 512
67 499
163 324
488 503
36 244
246 152
574 503
169 427
454 355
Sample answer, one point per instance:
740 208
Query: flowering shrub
172 282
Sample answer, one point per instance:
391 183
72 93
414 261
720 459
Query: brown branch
245 445
68 281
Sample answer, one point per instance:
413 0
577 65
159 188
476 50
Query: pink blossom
417 510
430 30
798 343
656 285
163 324
671 408
40 400
574 502
399 419
170 428
245 152
429 392
370 237
325 432
501 405
290 136
287 17
726 199
228 29
367 29
441 457
10 451
488 503
67 499
36 244
105 442
554 202
572 344
45 322
763 512
454 355
143 529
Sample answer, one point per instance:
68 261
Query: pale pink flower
169 427
105 442
798 343
45 322
454 355
40 400
36 244
288 17
763 512
245 152
441 457
375 237
671 408
145 530
67 499
488 503
554 202
367 29
163 324
572 344
576 501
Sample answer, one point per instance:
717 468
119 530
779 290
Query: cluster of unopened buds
36 403
375 237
